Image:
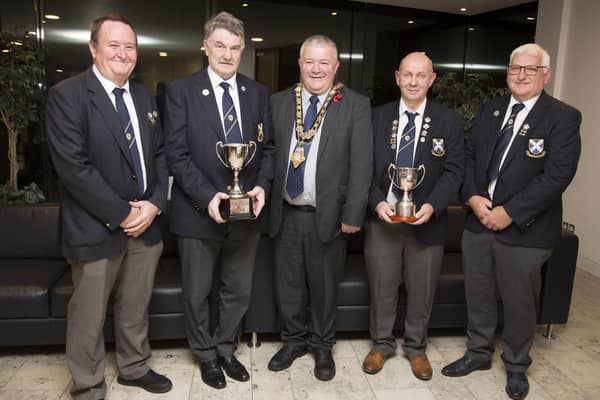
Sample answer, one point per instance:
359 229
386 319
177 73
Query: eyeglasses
531 70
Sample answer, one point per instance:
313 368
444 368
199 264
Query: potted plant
21 95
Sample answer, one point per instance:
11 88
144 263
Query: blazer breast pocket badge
438 147
535 148
260 136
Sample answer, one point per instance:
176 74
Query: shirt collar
527 103
306 95
107 84
215 80
420 109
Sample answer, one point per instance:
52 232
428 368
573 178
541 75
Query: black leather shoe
324 365
212 374
234 368
464 366
151 382
517 385
284 358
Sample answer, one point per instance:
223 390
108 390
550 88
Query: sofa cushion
30 231
25 286
166 294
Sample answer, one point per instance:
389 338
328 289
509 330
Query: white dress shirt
109 86
215 81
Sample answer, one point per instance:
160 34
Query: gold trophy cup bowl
406 179
236 156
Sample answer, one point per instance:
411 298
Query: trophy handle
252 144
420 168
218 147
391 174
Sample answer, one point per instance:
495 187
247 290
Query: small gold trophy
237 157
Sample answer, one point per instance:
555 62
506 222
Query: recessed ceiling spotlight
31 33
202 48
5 50
463 9
411 22
256 39
471 28
163 54
59 70
334 13
530 18
17 43
244 4
51 16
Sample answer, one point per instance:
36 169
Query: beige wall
570 29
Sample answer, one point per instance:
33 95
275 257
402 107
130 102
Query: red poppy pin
337 97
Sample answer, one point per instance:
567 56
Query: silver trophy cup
236 156
407 180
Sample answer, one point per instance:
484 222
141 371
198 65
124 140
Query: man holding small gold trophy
418 168
219 145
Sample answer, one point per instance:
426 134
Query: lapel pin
425 126
205 92
423 139
243 88
496 113
427 119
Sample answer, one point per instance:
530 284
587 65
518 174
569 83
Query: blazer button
133 177
107 225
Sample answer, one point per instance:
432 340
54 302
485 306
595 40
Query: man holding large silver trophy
418 168
219 144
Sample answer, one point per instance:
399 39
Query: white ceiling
450 6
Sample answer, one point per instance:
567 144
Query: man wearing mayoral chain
323 170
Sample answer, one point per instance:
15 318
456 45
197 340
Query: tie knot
118 92
411 116
225 86
517 107
314 99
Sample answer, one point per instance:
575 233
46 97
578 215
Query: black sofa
35 284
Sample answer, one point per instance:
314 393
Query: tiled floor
566 368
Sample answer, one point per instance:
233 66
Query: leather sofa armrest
558 275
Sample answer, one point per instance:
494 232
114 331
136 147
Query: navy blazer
532 178
443 169
193 127
92 160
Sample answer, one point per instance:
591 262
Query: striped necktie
502 141
233 134
404 158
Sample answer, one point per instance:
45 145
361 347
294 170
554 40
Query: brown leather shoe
373 362
421 367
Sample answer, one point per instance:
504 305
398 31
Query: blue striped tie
406 147
502 141
233 134
130 137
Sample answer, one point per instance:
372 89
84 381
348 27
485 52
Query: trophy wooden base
237 209
399 218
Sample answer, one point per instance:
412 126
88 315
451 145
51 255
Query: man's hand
350 228
258 199
146 211
497 219
423 215
481 206
384 212
213 207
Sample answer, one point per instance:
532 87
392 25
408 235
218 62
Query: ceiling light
463 9
471 28
244 4
530 18
411 22
334 13
59 70
5 50
32 33
17 43
256 39
202 48
163 54
51 16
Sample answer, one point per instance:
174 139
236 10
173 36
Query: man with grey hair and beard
520 157
217 104
323 169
